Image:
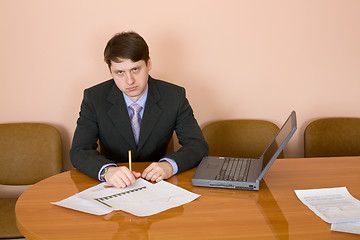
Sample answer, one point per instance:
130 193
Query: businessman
133 111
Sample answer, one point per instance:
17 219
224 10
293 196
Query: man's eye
120 72
135 69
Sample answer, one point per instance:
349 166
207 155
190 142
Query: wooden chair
29 152
239 138
332 137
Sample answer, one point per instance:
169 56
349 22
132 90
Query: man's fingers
119 184
149 172
155 176
121 177
158 179
146 171
157 171
136 174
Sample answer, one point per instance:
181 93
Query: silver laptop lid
278 143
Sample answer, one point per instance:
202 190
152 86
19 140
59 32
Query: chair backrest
29 152
239 138
332 137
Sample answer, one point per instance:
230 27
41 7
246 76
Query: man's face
131 77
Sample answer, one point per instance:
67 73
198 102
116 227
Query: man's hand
121 176
157 171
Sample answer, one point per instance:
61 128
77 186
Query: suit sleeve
194 146
83 153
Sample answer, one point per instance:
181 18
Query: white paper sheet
331 204
75 202
349 227
141 198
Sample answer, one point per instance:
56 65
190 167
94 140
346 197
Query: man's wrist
172 163
102 173
103 170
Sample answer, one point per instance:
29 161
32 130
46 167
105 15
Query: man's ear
149 64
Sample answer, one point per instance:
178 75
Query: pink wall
265 57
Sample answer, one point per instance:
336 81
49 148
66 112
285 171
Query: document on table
140 199
333 205
348 227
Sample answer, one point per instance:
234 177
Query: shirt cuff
172 163
104 166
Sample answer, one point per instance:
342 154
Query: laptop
245 173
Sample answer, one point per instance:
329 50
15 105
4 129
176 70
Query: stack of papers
140 199
335 206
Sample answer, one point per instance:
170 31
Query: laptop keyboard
234 169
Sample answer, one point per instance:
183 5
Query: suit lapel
118 113
151 115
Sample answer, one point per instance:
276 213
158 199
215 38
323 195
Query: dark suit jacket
104 116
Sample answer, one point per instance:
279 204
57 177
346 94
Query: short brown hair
126 45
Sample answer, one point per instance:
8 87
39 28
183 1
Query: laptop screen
278 143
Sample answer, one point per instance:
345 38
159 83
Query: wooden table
273 212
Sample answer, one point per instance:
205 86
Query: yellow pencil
130 160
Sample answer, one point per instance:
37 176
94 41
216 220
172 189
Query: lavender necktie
135 119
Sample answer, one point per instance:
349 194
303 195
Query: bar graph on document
103 200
